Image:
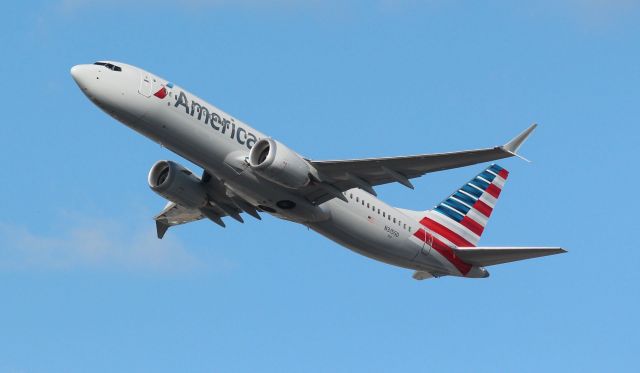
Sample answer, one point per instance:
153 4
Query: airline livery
248 172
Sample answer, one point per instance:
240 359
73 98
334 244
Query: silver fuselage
364 224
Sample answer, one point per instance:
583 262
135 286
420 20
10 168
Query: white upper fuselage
220 144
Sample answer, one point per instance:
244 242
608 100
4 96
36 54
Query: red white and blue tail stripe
460 219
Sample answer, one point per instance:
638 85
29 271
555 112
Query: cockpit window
109 66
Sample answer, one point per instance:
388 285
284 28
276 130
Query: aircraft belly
224 157
290 188
355 232
343 223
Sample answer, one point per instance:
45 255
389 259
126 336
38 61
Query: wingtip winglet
515 143
161 228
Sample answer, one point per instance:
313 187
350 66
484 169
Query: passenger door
146 84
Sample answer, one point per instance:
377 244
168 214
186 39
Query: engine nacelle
274 161
177 184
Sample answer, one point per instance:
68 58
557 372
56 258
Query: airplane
248 172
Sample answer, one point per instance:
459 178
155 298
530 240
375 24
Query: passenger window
383 214
357 199
351 195
367 205
409 229
405 225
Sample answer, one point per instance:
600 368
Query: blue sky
85 286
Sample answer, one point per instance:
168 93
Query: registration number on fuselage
391 232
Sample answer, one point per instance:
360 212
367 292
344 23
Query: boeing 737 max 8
247 172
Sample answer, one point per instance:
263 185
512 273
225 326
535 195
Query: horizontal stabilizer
487 256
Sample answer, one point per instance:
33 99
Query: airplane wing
174 214
488 256
223 203
337 176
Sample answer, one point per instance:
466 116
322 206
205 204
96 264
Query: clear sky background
86 287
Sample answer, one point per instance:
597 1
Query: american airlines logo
210 117
162 93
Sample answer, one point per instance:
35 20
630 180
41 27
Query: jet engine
275 162
177 184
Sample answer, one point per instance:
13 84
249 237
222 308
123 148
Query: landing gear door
145 84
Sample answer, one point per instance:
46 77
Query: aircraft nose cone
75 72
80 73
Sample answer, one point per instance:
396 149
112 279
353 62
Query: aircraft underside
248 173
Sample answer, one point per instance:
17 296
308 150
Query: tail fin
461 218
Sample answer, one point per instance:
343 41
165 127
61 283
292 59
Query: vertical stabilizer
461 219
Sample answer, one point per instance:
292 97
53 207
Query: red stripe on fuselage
445 232
472 225
444 250
493 190
483 208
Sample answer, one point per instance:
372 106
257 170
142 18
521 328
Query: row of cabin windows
384 214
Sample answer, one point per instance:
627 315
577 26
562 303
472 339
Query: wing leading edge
366 173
